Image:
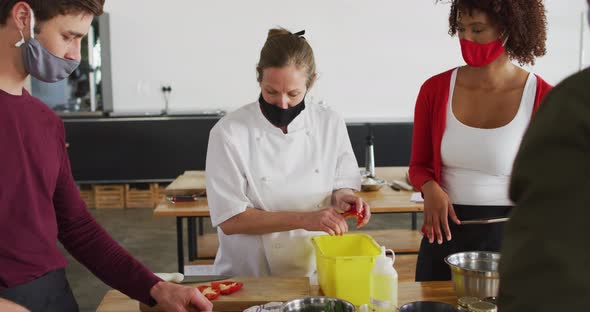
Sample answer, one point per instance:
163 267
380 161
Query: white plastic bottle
383 285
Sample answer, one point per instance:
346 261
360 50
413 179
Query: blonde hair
283 48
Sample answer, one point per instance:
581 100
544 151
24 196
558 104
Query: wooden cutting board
191 182
256 291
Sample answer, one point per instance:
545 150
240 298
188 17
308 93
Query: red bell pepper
355 213
209 292
228 287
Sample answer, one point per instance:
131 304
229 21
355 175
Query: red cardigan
429 125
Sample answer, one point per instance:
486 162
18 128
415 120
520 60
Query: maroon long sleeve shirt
40 203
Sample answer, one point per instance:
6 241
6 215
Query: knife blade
192 279
485 221
392 185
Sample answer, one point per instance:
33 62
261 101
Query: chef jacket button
308 133
317 171
318 205
258 139
264 179
277 246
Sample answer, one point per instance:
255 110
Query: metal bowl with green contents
318 304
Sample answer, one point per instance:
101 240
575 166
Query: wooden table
190 182
386 200
115 301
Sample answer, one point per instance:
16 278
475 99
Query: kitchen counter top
115 301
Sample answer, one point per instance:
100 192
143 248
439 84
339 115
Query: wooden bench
405 265
402 241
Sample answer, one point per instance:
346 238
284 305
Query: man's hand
9 306
177 298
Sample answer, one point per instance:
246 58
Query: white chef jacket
253 164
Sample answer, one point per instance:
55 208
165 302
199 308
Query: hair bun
275 32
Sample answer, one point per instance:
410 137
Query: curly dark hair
524 21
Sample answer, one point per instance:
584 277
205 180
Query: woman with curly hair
468 125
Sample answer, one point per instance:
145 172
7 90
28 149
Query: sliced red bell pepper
355 213
228 287
209 292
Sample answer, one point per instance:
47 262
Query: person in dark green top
545 262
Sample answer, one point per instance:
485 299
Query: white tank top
476 162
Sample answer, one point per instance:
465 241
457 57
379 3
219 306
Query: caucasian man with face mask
39 201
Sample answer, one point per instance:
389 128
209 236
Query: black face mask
278 116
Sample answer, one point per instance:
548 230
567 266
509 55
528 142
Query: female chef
280 171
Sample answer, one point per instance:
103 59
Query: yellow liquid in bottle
383 293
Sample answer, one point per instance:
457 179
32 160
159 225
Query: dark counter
158 149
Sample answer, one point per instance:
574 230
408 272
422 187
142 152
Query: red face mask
477 55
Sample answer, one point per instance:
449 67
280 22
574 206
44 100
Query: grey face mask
42 64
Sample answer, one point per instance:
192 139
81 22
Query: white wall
566 20
372 55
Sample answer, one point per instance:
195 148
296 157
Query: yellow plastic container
344 265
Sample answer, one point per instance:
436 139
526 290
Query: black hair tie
300 34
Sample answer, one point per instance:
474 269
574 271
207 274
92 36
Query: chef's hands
327 220
331 219
177 298
438 208
344 200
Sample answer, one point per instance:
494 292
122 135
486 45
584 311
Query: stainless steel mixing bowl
475 273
